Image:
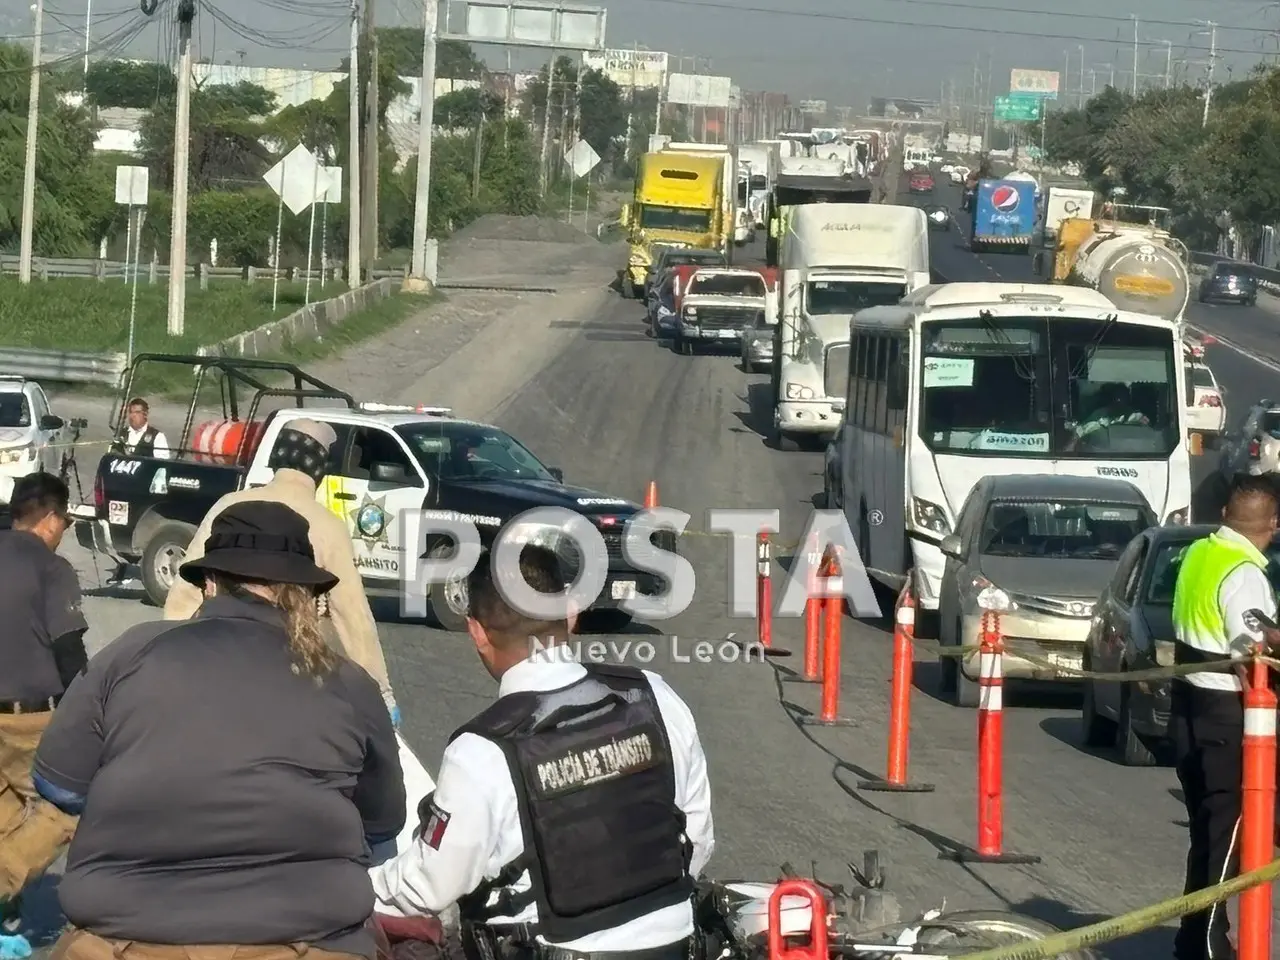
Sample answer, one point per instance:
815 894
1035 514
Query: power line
1146 21
986 31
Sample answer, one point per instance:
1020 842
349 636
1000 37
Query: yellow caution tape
1129 923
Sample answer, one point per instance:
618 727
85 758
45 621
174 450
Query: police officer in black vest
571 817
142 439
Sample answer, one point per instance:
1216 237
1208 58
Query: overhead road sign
533 23
1018 109
1040 83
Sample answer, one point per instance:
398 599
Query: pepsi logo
1005 199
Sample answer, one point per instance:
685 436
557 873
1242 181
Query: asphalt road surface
615 411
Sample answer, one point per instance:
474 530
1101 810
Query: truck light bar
371 407
1030 298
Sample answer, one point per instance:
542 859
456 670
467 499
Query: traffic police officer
299 459
571 816
1221 578
41 652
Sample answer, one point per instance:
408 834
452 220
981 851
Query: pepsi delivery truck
1004 216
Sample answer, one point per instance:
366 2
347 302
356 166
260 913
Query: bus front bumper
808 416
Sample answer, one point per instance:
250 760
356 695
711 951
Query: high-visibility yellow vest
1197 612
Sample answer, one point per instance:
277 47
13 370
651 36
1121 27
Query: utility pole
546 128
181 154
88 23
372 151
1168 62
1208 84
354 223
29 167
1135 55
1080 92
426 117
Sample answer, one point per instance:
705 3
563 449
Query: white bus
916 156
967 380
835 259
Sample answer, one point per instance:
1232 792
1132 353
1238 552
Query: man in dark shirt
42 650
231 772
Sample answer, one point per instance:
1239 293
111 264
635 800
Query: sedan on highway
757 343
1230 282
1039 549
1253 447
1206 411
1132 630
920 182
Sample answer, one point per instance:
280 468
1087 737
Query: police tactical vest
145 447
604 841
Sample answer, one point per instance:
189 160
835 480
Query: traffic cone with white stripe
990 848
1257 812
832 601
904 628
651 495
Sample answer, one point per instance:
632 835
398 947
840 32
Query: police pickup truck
388 459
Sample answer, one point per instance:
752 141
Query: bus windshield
823 297
675 218
1030 387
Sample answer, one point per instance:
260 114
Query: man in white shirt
142 439
569 818
1221 578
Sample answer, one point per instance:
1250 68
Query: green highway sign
1018 109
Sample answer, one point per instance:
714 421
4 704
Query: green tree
122 83
603 114
67 179
467 108
402 48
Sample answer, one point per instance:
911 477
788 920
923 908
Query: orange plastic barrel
219 441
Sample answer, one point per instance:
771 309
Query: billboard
1014 109
642 69
813 106
698 90
1034 83
533 23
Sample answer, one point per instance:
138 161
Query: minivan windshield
1070 529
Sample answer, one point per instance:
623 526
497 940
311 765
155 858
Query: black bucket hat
260 540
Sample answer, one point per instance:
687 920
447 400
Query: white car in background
744 227
29 432
1206 405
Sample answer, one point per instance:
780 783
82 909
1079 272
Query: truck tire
161 558
447 603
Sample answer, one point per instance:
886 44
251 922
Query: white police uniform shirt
160 444
1245 588
475 830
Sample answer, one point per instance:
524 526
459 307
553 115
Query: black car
677 256
1133 630
939 216
1230 282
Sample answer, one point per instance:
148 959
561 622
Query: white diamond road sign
581 158
298 179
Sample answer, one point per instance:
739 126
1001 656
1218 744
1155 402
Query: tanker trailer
1140 272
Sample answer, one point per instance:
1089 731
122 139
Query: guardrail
45 268
63 366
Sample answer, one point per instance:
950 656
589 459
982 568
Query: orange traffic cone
651 496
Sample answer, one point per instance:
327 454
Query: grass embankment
84 315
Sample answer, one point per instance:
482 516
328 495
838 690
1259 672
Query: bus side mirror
1037 263
897 397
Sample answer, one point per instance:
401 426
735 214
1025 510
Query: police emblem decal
371 521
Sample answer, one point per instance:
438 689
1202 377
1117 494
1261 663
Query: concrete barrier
307 324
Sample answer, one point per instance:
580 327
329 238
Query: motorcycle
862 924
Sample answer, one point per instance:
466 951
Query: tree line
1214 167
487 151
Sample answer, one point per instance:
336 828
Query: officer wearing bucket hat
250 768
299 459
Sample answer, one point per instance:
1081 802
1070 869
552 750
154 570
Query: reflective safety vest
604 840
1198 622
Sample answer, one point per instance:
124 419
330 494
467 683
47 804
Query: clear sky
843 51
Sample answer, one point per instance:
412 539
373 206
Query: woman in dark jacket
230 771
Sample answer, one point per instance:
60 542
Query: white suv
29 432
